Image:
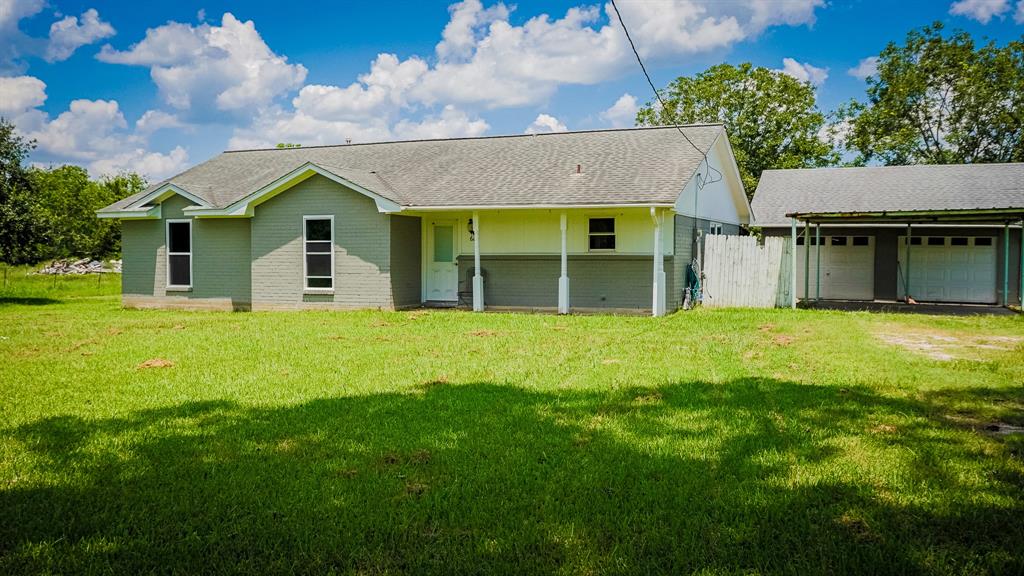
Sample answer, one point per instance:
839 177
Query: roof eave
979 215
149 213
244 208
563 206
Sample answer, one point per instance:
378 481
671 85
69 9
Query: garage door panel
950 269
847 270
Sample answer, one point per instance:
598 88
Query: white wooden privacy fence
738 271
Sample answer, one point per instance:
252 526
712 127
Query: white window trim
305 274
614 234
191 249
715 228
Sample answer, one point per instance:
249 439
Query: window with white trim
318 252
601 233
714 228
179 254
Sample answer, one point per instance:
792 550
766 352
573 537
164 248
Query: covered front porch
617 259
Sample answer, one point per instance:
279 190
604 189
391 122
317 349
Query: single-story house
940 233
593 220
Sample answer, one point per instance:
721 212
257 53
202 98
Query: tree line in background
48 213
934 99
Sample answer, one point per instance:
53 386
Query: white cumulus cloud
622 113
208 68
69 34
483 59
66 35
981 10
545 123
91 133
450 123
19 94
153 165
153 120
866 67
804 72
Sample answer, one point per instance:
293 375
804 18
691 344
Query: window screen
602 233
319 252
179 254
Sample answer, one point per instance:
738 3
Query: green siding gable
362 257
220 258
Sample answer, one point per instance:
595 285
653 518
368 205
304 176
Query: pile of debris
83 266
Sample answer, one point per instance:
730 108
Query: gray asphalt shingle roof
639 165
888 189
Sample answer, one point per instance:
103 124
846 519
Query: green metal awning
968 216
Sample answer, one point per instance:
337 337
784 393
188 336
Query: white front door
442 269
847 268
950 268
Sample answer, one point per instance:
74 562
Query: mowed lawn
729 441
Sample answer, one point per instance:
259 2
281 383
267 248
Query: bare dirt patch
782 340
483 333
947 345
156 363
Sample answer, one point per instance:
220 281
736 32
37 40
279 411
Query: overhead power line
657 94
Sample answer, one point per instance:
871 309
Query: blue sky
157 87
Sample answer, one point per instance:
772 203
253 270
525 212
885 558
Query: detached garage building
942 233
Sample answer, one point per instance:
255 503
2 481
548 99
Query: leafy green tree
287 145
68 200
772 118
107 237
21 233
938 99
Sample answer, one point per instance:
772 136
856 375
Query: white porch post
792 267
563 280
478 279
658 304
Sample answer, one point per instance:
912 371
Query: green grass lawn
730 441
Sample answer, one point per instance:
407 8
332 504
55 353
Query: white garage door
949 268
847 268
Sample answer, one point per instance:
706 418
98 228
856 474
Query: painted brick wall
362 249
406 260
605 281
220 260
141 242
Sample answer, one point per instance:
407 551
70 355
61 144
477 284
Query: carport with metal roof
1005 217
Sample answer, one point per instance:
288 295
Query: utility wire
700 183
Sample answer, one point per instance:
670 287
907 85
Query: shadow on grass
28 300
487 478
